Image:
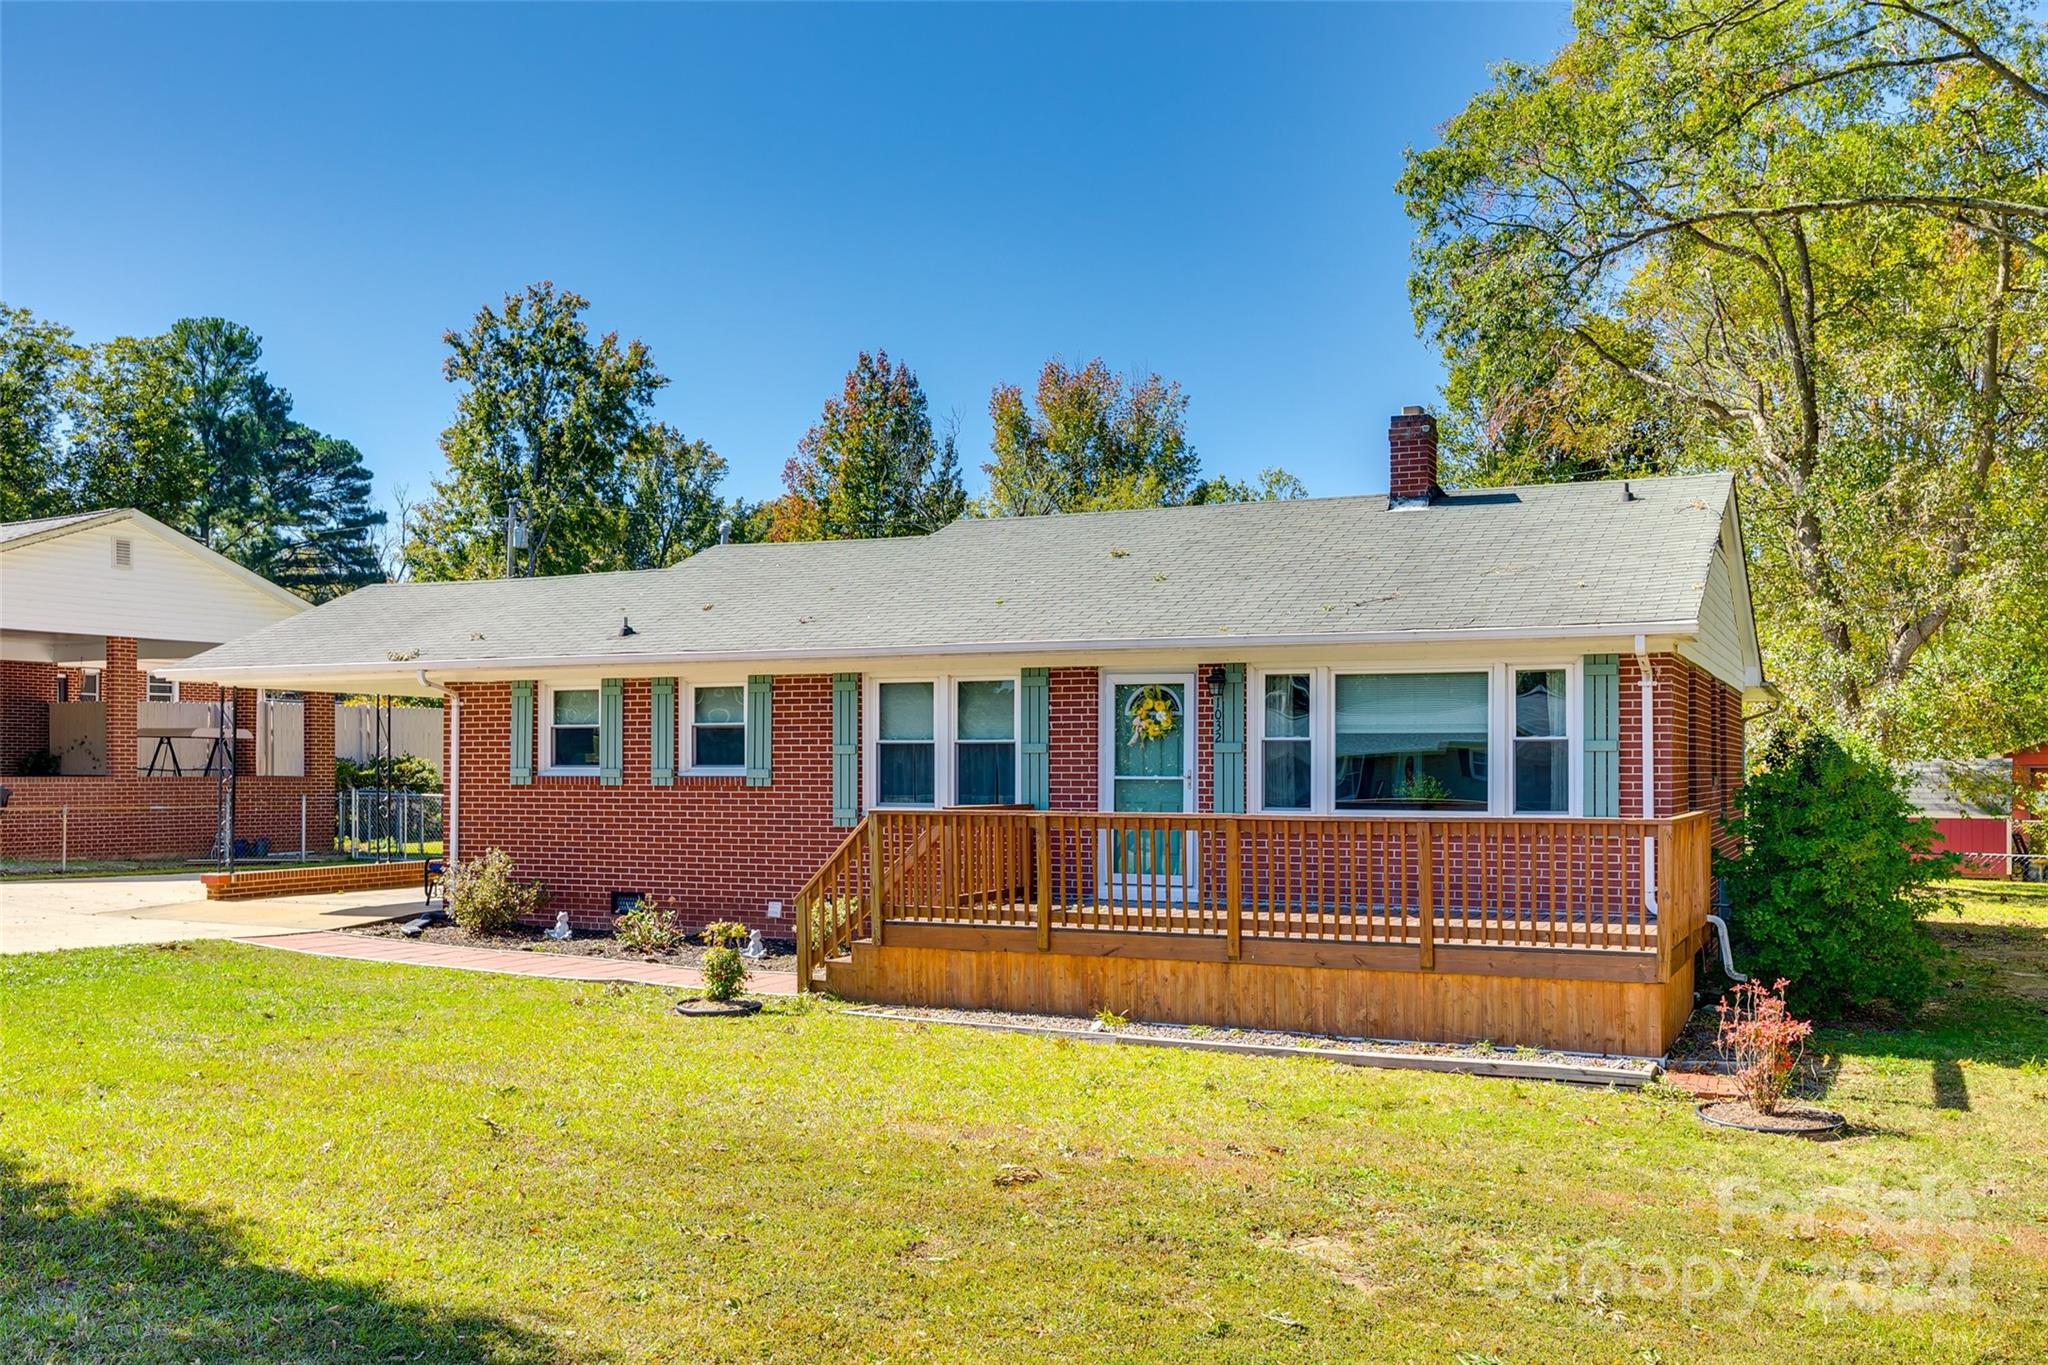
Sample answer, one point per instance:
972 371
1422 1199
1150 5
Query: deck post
875 879
1233 887
1041 847
803 945
1425 892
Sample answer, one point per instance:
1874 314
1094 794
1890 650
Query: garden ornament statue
561 930
755 948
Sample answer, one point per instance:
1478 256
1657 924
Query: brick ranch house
1379 733
93 608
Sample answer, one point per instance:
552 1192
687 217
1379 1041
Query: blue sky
758 193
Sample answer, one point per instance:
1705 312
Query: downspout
453 783
1646 690
1647 744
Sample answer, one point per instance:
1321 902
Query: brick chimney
1411 459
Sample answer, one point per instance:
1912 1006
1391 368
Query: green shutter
846 748
661 732
760 742
1603 735
522 733
1228 739
611 731
1034 749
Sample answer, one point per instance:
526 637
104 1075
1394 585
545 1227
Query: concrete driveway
97 912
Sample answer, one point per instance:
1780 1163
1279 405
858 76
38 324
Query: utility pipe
453 781
1647 719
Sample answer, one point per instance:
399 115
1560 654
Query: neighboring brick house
709 733
93 608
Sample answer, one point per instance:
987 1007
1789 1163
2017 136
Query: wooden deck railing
1639 886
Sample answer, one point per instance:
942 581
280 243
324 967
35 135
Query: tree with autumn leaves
1807 242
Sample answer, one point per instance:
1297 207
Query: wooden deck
1563 933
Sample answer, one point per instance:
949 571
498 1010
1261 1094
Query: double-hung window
1286 746
942 741
906 745
985 742
718 728
89 685
1542 755
570 717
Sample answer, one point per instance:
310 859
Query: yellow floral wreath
1154 714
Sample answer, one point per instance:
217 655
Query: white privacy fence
359 732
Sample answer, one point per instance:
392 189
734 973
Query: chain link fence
376 824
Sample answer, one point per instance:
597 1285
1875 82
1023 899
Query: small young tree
1835 874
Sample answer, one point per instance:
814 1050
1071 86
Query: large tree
187 427
1096 440
872 465
548 414
672 507
38 362
1803 240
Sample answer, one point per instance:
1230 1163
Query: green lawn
223 1153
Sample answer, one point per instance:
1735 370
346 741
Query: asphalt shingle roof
1330 569
22 530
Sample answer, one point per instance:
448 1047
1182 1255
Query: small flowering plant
1764 1040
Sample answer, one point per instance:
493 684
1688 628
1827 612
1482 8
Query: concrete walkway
558 966
101 912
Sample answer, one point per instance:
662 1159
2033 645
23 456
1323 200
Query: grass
222 1153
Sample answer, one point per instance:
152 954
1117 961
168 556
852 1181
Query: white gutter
454 782
368 668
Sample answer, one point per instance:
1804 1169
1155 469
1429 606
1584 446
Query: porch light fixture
1215 678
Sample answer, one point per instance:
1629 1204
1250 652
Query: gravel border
523 938
1526 1064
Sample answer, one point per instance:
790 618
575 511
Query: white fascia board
637 665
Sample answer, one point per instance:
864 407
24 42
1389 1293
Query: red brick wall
716 848
126 815
1698 740
1075 739
706 847
26 691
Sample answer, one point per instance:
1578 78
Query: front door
1150 770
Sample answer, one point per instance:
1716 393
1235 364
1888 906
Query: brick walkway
559 966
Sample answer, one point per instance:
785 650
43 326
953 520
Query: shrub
485 898
408 772
1764 1041
649 929
1834 876
723 969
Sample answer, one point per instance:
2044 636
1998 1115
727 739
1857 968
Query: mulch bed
1800 1120
781 952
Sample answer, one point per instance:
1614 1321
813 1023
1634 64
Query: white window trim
945 728
1500 753
548 766
686 728
1574 743
89 685
150 680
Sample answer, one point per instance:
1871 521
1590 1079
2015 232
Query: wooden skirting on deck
1351 998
